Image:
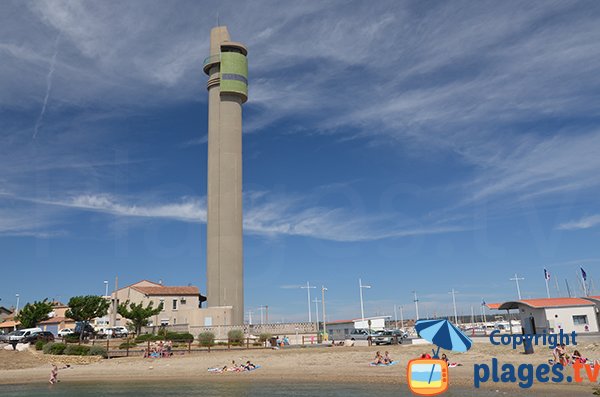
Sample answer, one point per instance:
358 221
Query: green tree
32 313
86 308
138 314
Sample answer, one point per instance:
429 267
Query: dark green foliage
77 350
138 314
33 313
179 336
235 337
148 337
54 348
97 351
206 339
39 345
85 308
73 338
126 345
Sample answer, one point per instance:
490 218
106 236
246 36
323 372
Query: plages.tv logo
429 376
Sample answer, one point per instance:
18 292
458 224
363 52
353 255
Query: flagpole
547 289
585 293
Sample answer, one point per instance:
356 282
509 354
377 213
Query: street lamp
307 288
325 336
360 288
105 288
416 300
17 308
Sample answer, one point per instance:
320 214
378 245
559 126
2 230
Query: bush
54 348
235 336
264 337
39 345
77 350
179 336
72 338
147 337
126 345
206 339
97 351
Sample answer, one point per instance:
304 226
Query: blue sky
419 145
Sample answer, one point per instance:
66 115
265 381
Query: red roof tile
556 302
493 306
154 291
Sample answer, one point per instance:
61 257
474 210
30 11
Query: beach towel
452 365
384 365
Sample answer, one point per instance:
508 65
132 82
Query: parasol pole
435 355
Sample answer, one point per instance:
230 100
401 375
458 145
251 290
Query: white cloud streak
38 123
586 222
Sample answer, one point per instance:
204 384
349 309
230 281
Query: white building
339 329
551 315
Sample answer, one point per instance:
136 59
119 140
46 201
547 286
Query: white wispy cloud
583 223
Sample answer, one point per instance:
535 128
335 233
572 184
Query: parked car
22 333
388 337
64 332
87 330
360 334
35 336
4 338
120 331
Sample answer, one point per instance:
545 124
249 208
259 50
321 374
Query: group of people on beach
160 349
560 355
384 359
248 366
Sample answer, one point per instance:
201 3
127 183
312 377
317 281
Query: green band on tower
234 73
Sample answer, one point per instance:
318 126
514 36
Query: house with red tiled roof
554 314
181 305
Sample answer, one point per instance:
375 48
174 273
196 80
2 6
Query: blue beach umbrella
443 333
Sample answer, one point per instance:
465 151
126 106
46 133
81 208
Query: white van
20 334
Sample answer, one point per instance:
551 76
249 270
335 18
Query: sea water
224 389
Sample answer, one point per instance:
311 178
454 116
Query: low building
181 305
551 315
5 313
57 319
340 328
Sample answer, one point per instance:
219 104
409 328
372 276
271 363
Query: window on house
580 320
174 304
162 302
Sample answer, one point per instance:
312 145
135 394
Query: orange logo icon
427 377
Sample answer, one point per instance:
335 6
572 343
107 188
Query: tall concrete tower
227 85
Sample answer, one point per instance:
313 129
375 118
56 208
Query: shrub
235 336
147 337
39 345
54 348
77 350
265 336
127 345
206 339
72 338
179 336
98 351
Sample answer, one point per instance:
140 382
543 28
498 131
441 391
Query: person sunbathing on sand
378 359
249 366
386 358
450 365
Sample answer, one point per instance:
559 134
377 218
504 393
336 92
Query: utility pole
516 279
360 288
307 288
416 300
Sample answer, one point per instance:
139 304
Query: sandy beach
312 364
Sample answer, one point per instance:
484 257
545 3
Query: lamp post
401 316
17 308
105 288
307 288
316 301
325 336
362 308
